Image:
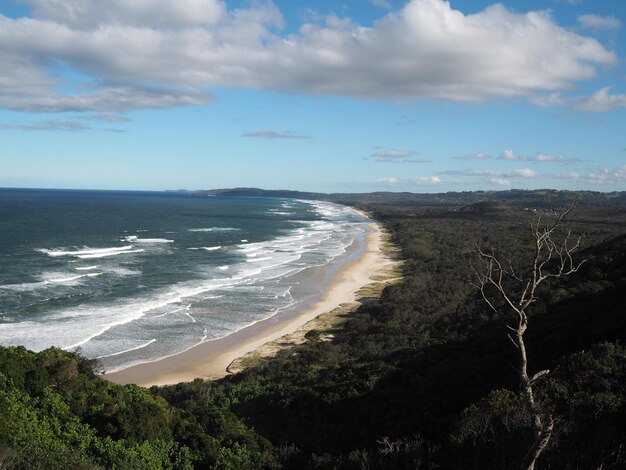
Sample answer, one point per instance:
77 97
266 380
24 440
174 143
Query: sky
330 96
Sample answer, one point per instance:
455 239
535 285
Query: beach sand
210 360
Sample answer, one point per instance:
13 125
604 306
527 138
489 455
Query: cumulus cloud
601 101
47 126
523 173
390 180
430 180
125 51
511 156
500 181
607 176
275 135
105 97
599 176
471 172
597 22
518 173
550 99
397 156
540 157
89 14
474 156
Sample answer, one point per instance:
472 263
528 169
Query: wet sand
211 359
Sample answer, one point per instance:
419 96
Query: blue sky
362 95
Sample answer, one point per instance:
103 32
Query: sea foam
141 346
214 229
182 300
135 239
89 253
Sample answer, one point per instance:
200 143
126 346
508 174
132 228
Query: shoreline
211 360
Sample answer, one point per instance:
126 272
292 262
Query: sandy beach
211 359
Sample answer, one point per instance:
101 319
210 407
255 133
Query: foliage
56 413
588 394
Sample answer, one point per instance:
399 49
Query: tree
516 290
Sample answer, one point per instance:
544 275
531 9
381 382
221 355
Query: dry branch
552 258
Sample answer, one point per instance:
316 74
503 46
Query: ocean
132 277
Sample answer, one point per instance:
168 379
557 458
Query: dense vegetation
55 412
421 378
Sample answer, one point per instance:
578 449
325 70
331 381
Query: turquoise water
130 277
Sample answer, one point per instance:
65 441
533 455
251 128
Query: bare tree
517 291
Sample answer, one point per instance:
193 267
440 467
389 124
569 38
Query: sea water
131 277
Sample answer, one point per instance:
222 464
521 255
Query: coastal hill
518 197
256 192
485 207
423 377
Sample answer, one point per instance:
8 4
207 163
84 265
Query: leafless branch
552 258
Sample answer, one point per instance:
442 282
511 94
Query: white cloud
389 180
88 14
393 154
430 180
540 158
601 101
511 156
275 135
518 173
47 126
523 173
606 176
599 176
474 156
472 172
597 22
123 49
397 156
500 181
27 96
550 100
